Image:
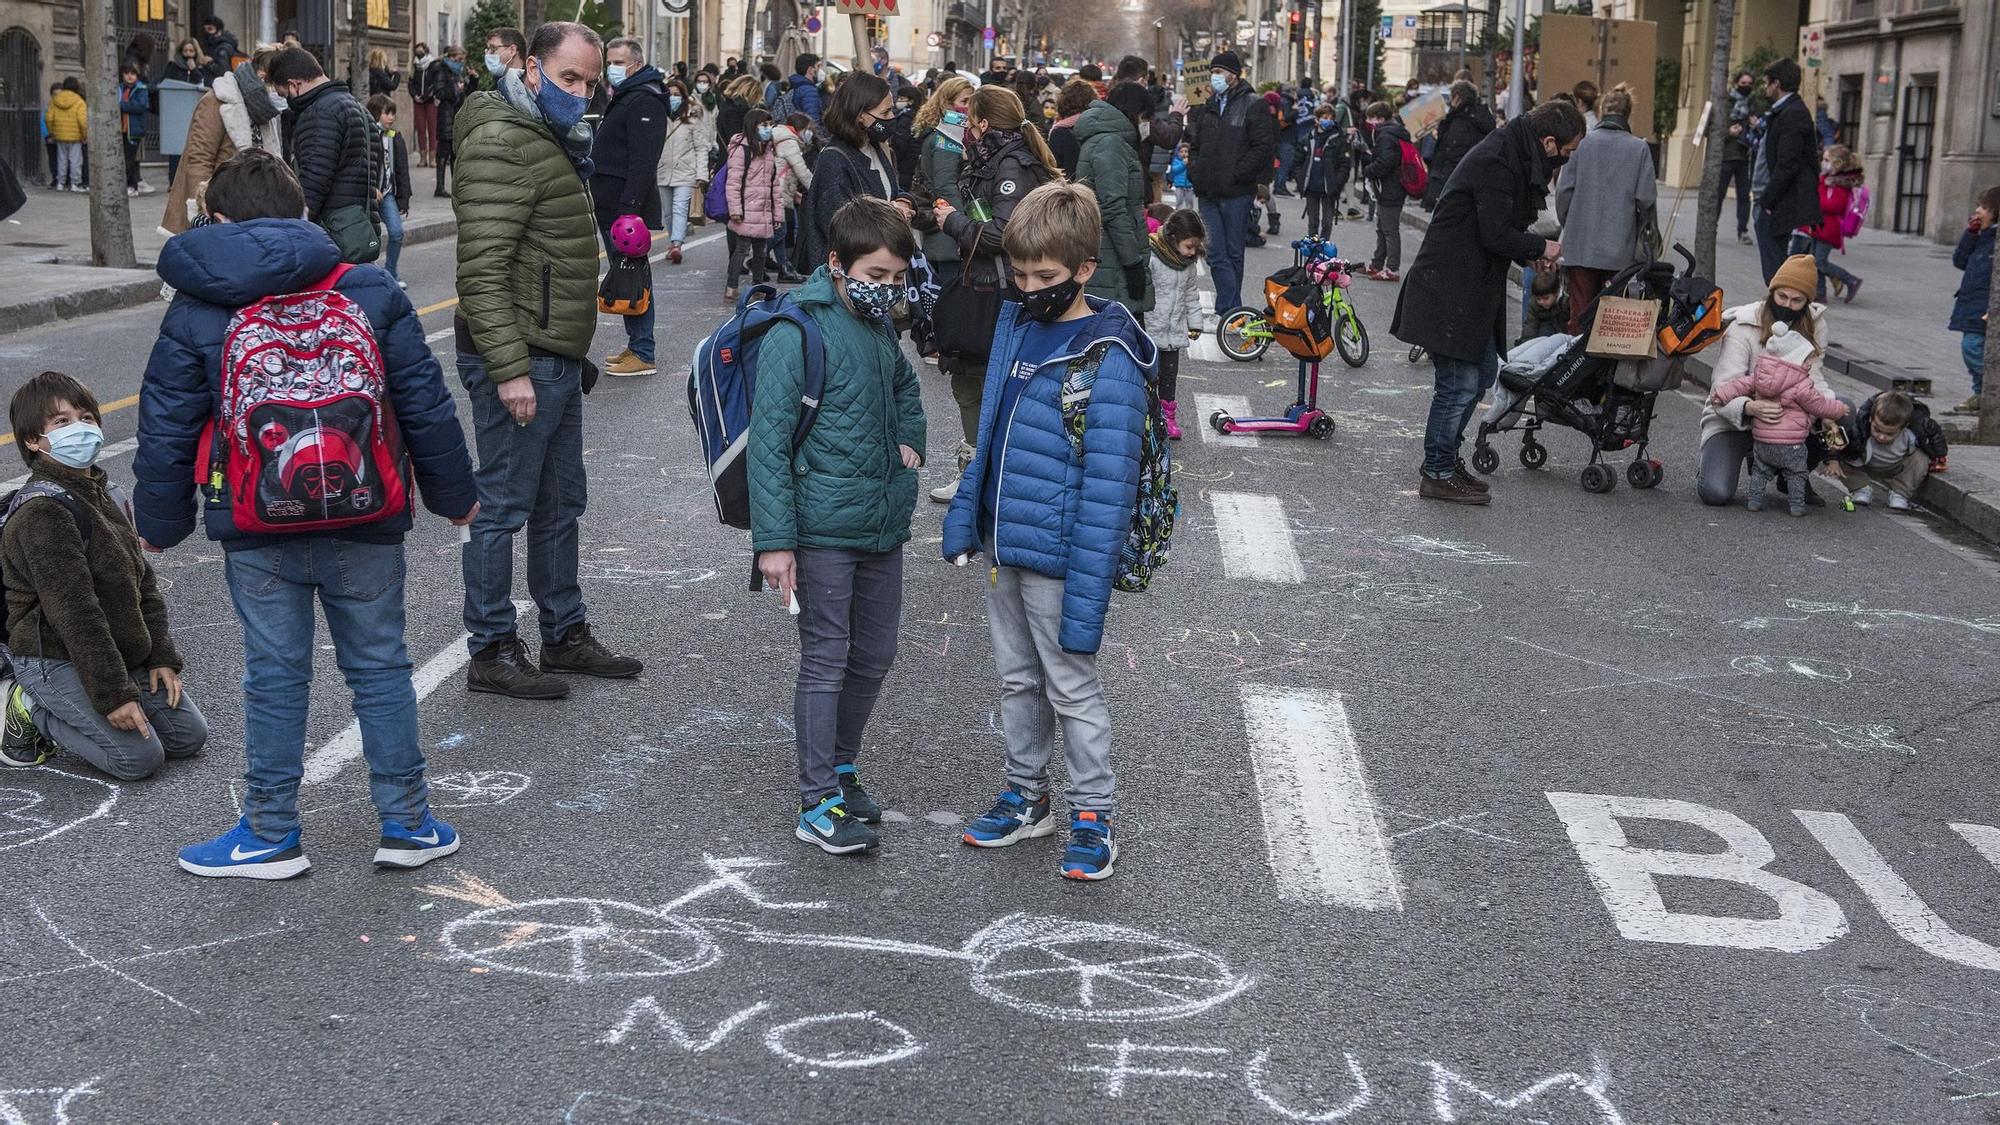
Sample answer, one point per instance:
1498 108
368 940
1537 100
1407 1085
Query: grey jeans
64 714
850 604
1041 684
1722 458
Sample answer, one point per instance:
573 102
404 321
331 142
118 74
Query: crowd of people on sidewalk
1013 228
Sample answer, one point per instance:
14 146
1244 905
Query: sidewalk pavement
1891 331
46 247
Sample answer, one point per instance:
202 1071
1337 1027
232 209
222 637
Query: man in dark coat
332 149
623 158
1791 161
1454 303
1232 139
446 84
1465 124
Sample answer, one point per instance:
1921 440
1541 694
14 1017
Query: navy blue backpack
723 381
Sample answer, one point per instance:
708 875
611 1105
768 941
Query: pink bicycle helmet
629 236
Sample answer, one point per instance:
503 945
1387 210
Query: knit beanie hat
1228 61
1799 273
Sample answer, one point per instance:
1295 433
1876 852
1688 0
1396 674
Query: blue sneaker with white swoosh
407 847
242 854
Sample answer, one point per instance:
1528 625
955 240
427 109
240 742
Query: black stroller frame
1579 391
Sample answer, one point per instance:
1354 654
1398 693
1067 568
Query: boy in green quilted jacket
828 519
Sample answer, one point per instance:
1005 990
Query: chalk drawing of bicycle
1055 968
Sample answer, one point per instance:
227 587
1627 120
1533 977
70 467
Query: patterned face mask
872 300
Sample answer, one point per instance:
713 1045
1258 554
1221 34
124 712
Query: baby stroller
1610 401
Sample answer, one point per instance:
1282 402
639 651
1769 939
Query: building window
378 13
150 10
878 30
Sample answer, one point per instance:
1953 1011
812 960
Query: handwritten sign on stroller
1623 327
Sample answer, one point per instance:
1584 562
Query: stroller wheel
1220 421
1485 459
1533 455
1644 474
1599 478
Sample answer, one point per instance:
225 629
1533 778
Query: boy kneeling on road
95 669
1049 500
1891 443
828 519
309 498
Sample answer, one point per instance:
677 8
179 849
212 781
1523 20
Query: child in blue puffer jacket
1050 499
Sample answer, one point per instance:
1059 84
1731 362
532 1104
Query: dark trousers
1388 237
756 249
1320 211
850 605
1737 171
132 146
1170 373
1771 244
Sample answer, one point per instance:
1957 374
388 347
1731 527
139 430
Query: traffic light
1298 25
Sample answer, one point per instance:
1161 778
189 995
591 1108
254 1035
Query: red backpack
305 442
1411 172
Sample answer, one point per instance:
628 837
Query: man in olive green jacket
527 286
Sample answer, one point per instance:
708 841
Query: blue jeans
1287 152
674 201
1822 252
529 476
359 587
392 233
1972 346
1228 222
1459 385
638 329
1771 245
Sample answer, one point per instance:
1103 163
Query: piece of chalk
792 603
963 558
465 534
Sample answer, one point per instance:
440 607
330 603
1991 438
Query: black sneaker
1464 478
860 805
828 827
503 668
578 651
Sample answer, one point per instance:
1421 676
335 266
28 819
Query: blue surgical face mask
674 104
616 74
953 117
76 444
493 66
1219 82
562 108
763 132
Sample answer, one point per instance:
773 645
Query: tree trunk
1708 211
110 209
357 50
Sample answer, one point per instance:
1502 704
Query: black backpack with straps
12 503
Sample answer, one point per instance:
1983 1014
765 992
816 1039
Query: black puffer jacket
1231 152
1385 166
330 148
1000 170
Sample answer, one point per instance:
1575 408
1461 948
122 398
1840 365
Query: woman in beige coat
226 121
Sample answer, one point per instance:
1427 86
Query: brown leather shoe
1465 478
1450 491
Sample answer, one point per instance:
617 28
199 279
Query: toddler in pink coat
1781 375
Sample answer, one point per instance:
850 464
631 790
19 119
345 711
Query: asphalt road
1574 809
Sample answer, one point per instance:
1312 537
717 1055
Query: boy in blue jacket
258 247
1049 500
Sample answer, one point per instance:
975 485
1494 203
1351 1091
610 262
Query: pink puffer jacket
758 188
1788 384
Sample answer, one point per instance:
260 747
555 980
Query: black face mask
878 131
1781 313
1044 306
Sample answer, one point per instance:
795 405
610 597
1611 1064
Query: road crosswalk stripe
1256 538
1324 833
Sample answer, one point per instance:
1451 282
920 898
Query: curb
131 291
1974 505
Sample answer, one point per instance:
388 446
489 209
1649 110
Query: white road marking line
115 449
1321 823
687 246
345 748
1256 538
440 334
1236 406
